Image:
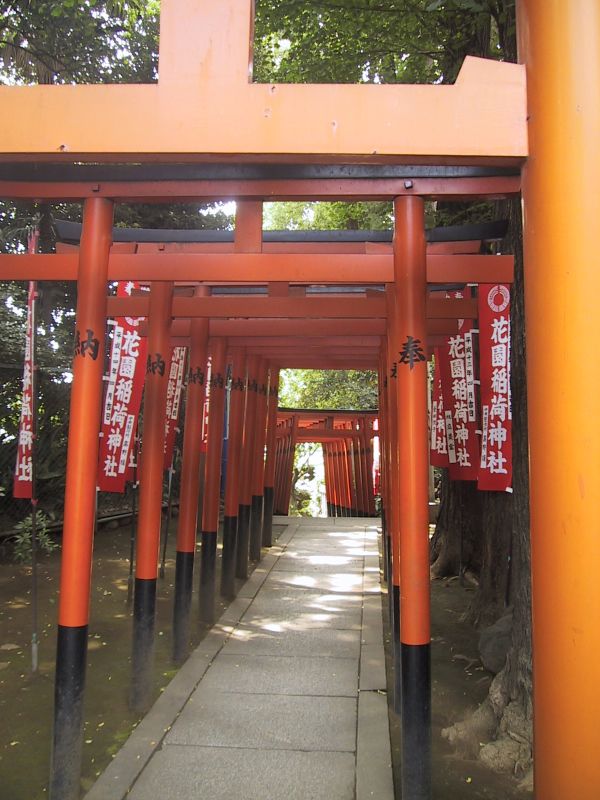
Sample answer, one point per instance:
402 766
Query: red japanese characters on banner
122 400
174 386
23 482
438 456
495 473
460 411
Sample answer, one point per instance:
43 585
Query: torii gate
543 116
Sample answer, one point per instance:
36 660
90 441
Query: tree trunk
503 721
456 543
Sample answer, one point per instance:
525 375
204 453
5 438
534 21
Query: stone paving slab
317 642
330 582
267 722
282 675
213 773
320 563
305 620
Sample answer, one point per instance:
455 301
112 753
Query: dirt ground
459 685
26 700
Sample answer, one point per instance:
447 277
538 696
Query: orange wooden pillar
358 473
277 489
328 492
245 500
366 455
257 467
384 473
190 483
232 476
151 481
413 494
335 451
80 494
335 498
212 480
560 45
269 482
352 478
345 476
289 466
392 510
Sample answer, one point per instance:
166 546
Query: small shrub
22 540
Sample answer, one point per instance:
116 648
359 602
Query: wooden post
80 497
410 353
190 484
560 45
151 483
212 480
243 544
232 477
257 468
269 483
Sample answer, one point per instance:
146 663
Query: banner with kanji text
174 387
23 479
495 471
438 456
457 368
123 398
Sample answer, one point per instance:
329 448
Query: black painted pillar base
142 662
256 515
267 529
208 571
416 722
384 549
243 542
67 740
184 582
228 557
397 648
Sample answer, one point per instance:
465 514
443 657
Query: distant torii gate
542 116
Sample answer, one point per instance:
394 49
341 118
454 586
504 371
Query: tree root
498 733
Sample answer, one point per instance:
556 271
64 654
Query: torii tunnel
260 304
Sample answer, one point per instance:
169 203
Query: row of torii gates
204 132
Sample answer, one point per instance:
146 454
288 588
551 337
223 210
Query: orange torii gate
342 434
541 117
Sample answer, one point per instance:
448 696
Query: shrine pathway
285 697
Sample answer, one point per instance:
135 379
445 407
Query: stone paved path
285 698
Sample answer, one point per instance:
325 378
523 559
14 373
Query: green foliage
328 216
22 547
328 389
369 41
71 41
303 502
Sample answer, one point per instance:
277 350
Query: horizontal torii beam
205 108
493 187
283 412
288 307
298 328
304 268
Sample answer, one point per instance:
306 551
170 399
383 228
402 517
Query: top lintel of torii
205 108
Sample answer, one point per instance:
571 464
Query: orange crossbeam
334 268
348 189
289 307
300 328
